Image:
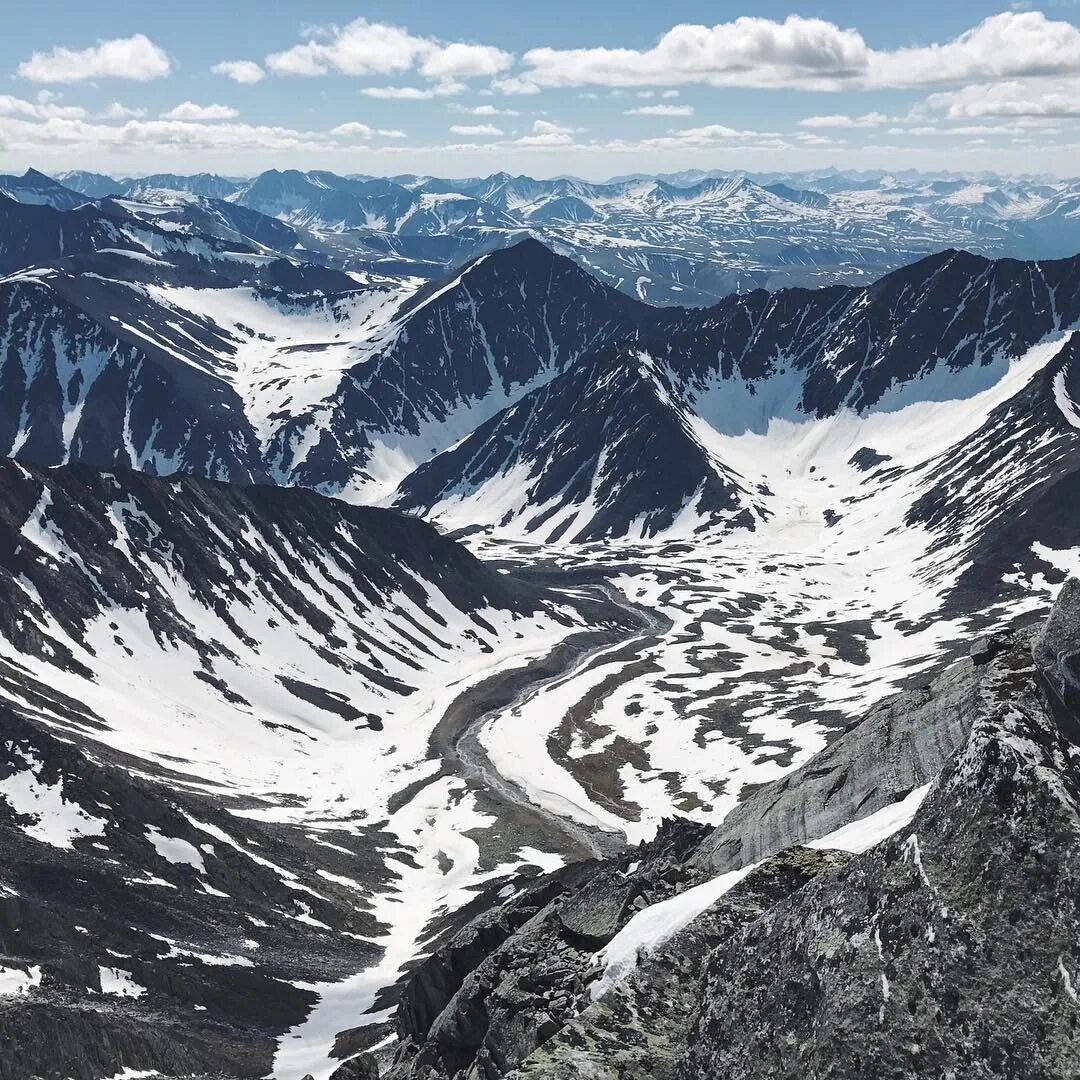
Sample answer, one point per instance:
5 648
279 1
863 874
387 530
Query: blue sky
594 89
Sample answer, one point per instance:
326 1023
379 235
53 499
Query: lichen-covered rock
1056 651
637 1031
513 978
950 950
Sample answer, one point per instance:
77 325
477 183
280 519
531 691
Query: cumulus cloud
246 72
460 61
814 54
354 129
749 50
809 138
1015 97
547 133
661 110
44 108
373 48
116 111
74 136
515 84
482 110
188 110
68 137
415 93
136 58
475 129
838 120
709 133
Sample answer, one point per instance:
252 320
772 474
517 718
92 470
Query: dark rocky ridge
947 949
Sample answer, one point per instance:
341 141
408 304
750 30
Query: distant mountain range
685 239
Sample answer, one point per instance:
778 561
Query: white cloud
372 48
838 120
670 94
547 133
153 136
354 130
475 129
361 48
241 71
549 127
481 110
661 110
814 54
459 61
750 50
809 138
967 129
116 111
1001 46
515 84
415 93
1017 97
709 133
136 58
43 109
188 110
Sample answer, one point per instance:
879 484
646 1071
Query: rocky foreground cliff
905 905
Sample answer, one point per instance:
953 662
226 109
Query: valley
347 607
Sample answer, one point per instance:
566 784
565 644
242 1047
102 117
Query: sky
592 88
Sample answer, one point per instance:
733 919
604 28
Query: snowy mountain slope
36 189
272 369
882 541
261 623
324 202
183 212
456 353
215 783
114 370
946 328
604 450
887 546
846 913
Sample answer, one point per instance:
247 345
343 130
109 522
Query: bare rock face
898 746
507 982
362 1067
1056 651
948 950
638 1030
